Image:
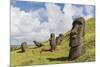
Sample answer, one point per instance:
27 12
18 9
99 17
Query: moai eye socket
79 22
73 33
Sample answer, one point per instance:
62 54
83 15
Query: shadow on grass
58 59
20 52
45 50
35 47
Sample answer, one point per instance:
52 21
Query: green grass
34 56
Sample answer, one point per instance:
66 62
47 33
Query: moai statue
52 42
24 47
59 39
38 44
76 38
61 35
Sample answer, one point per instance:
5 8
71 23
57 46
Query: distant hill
34 56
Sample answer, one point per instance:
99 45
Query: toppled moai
52 42
38 44
59 39
24 47
77 38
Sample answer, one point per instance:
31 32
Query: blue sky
36 20
31 5
27 5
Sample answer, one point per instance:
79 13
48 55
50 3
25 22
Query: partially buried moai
76 38
59 39
24 47
52 42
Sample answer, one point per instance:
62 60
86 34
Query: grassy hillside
34 55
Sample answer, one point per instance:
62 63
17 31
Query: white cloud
28 25
75 11
56 19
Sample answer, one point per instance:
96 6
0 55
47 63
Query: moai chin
24 47
76 38
52 42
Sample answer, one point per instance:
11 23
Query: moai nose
74 33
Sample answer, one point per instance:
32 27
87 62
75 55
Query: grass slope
34 56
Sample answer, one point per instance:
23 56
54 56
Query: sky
36 20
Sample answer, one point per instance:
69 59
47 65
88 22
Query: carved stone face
59 39
52 35
76 38
52 42
77 32
24 46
